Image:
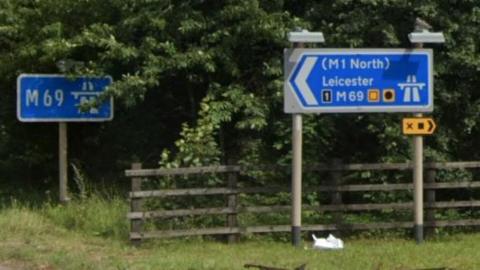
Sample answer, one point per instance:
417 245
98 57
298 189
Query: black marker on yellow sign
418 126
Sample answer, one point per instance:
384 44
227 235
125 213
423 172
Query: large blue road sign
55 98
358 80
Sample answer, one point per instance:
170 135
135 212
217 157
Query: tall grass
23 220
91 233
50 236
92 211
94 215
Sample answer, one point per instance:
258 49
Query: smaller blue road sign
55 98
358 80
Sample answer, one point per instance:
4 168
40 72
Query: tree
203 80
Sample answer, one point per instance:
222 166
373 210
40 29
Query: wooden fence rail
138 172
138 215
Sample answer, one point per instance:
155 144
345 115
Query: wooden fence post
336 196
136 205
232 221
430 196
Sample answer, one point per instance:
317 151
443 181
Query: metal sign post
296 178
63 162
418 180
298 39
418 185
55 98
297 141
420 36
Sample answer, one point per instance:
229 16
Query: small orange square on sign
373 95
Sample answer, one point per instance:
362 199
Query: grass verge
92 234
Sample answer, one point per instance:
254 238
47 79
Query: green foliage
200 82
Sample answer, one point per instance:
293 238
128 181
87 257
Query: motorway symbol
55 98
358 80
411 87
418 126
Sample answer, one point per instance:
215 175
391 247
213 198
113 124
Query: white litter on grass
331 242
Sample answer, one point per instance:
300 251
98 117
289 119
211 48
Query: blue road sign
55 98
358 80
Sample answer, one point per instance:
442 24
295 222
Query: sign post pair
356 81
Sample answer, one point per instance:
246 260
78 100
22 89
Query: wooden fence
138 215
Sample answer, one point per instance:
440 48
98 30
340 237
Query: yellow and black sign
418 126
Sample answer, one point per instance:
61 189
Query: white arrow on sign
301 80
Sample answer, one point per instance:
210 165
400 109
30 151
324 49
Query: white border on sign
292 103
24 75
